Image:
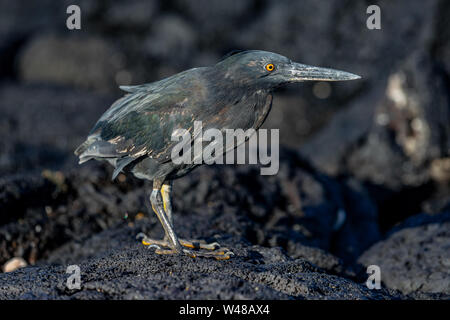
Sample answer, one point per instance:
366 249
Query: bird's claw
210 250
140 236
220 254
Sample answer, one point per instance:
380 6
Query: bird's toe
152 243
219 254
199 244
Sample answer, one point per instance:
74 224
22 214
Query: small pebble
14 264
140 216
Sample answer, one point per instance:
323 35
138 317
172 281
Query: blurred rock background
374 151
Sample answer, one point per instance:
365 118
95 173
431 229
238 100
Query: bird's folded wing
142 124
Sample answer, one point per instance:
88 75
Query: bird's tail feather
94 148
81 148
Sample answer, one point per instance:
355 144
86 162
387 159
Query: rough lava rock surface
134 272
416 256
374 153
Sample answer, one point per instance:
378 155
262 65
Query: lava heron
134 134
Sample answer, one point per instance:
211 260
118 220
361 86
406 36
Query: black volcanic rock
415 257
135 272
280 227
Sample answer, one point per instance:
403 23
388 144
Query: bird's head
267 70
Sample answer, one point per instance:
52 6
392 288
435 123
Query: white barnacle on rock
395 90
413 134
14 264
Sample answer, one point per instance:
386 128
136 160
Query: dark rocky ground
364 173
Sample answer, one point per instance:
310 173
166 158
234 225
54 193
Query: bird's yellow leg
166 192
162 206
157 206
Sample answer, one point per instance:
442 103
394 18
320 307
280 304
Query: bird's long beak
302 72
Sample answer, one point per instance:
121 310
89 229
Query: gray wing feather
140 123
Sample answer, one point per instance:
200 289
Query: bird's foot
164 247
218 254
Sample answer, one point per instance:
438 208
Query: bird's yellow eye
270 67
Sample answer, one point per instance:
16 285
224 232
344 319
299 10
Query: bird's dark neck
236 106
233 90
